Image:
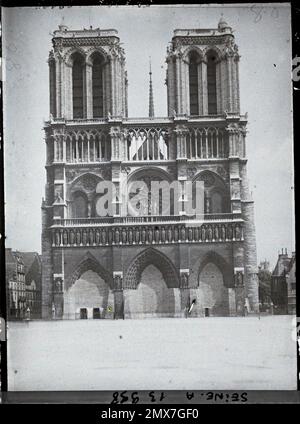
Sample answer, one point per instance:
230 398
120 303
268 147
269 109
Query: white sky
264 40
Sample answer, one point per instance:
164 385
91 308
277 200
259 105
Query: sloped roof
28 258
282 266
9 256
292 261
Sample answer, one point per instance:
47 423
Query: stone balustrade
151 140
100 221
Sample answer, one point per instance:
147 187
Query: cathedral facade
124 265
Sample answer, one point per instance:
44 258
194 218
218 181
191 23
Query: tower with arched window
87 75
203 72
157 259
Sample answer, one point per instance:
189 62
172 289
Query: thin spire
151 102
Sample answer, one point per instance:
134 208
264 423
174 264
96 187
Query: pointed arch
216 192
69 55
165 200
212 50
96 51
148 170
148 257
85 176
89 263
221 264
192 50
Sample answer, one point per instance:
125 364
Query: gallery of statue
151 265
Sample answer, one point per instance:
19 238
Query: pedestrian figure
53 311
28 313
192 305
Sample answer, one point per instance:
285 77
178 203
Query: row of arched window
194 85
78 84
216 198
215 202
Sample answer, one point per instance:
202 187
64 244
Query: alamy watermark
162 198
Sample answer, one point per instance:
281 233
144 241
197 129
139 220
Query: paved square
200 353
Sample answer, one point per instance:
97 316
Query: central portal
152 298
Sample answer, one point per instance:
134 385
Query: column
229 83
118 295
200 91
237 82
219 87
89 90
184 292
64 148
68 92
58 87
88 149
112 79
206 144
58 296
204 87
171 86
185 88
250 255
178 86
55 150
77 150
47 263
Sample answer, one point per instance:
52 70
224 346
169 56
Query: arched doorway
151 286
152 298
212 294
88 297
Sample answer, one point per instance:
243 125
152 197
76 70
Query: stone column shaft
89 91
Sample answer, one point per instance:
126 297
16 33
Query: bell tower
87 74
202 72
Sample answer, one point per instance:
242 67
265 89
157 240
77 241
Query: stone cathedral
151 265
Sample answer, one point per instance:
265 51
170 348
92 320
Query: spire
151 103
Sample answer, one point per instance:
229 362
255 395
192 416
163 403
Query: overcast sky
264 40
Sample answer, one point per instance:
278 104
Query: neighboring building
33 280
291 285
283 285
23 282
264 266
15 284
148 265
264 279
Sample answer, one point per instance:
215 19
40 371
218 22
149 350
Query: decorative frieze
147 234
